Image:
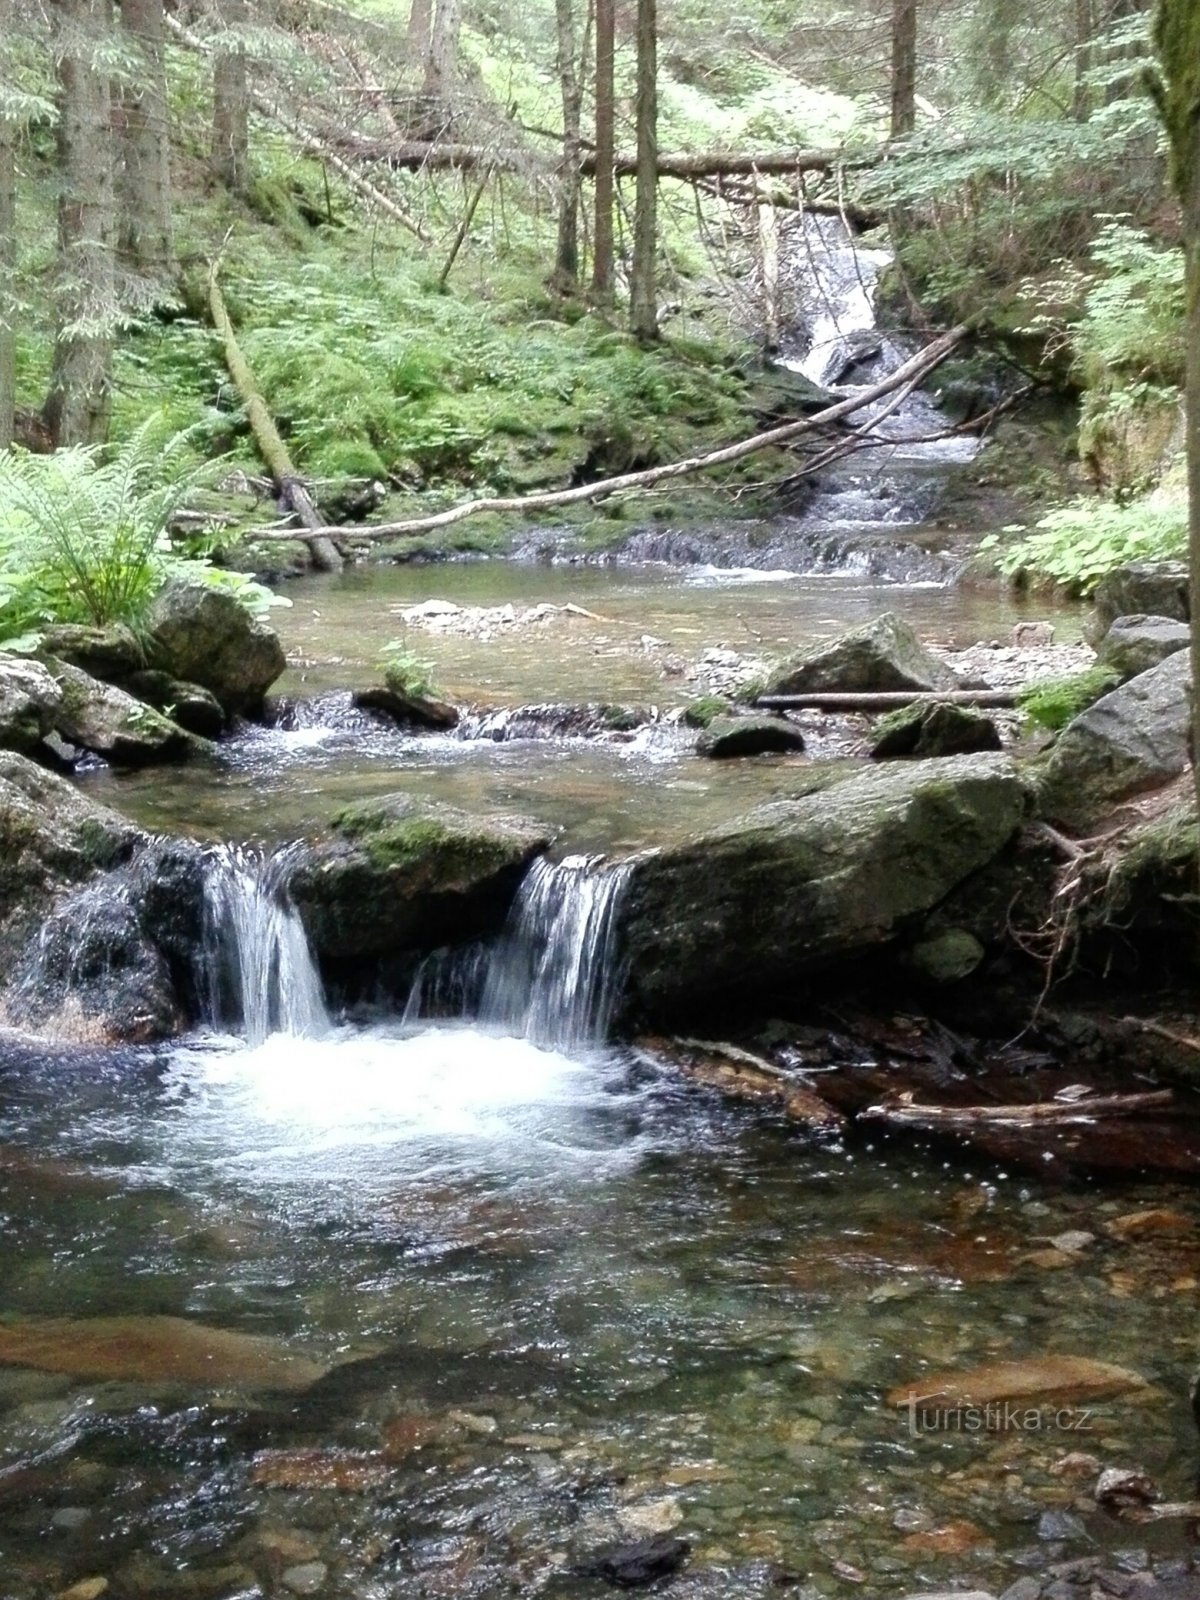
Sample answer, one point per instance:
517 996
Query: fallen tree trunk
910 373
902 1113
325 554
886 699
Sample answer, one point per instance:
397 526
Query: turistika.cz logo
926 1416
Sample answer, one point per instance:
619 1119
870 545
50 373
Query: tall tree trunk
566 264
420 27
8 258
602 250
1084 28
442 59
231 102
1177 36
80 399
144 154
904 67
643 290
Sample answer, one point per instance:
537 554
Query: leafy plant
406 673
1054 702
1078 543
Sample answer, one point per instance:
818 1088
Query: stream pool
539 1304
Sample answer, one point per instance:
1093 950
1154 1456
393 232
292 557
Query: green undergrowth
1053 702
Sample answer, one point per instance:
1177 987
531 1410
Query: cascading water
256 969
553 976
839 279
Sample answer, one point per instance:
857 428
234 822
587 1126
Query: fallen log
741 1075
288 484
910 373
886 699
903 1113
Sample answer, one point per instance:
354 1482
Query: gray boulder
1132 739
746 911
204 635
111 654
400 875
932 728
29 702
726 737
1140 588
1135 644
190 705
884 654
104 719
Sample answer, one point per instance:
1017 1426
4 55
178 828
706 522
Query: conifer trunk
566 264
420 25
442 57
144 169
8 259
904 67
643 289
602 249
231 103
80 399
1177 36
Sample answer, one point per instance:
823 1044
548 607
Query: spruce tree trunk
144 164
420 25
1084 28
8 258
602 256
643 290
80 399
1177 36
566 263
904 67
231 103
442 59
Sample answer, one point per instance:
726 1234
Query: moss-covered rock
932 728
883 654
699 713
29 701
729 737
204 635
747 911
104 719
401 875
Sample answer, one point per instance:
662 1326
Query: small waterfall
840 279
552 977
257 971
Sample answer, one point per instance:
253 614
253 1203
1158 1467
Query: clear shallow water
616 795
600 1301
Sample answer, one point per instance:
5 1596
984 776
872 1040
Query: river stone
190 705
51 834
1051 1377
749 736
1132 739
406 875
204 635
155 1350
745 910
1134 644
884 654
946 957
932 728
422 709
636 1565
108 653
1140 588
29 701
104 719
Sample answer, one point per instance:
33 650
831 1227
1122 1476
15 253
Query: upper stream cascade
551 977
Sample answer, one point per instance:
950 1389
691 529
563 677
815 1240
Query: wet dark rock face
1141 588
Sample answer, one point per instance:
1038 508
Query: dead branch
886 699
1169 1034
916 367
902 1112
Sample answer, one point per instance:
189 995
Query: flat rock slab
155 1350
1050 1377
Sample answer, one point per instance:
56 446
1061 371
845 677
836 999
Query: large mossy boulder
1133 739
51 835
1140 588
201 634
401 875
1134 645
884 654
104 719
932 728
30 700
745 913
111 654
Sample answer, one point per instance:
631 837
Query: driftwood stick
914 368
325 554
886 699
1156 1028
903 1113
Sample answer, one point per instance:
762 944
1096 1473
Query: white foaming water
841 279
708 576
256 967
